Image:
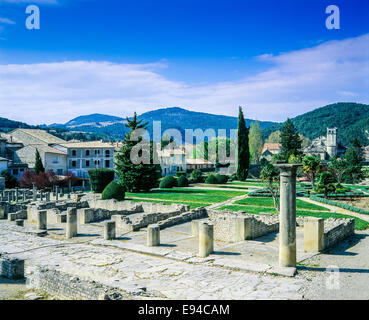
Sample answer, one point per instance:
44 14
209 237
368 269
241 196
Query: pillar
195 227
71 230
16 194
109 230
56 193
153 235
243 228
34 191
2 211
313 234
47 197
42 220
24 195
287 215
206 239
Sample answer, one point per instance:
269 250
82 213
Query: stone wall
225 224
71 287
11 267
336 230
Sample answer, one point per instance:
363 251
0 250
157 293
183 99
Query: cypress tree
243 159
136 177
290 140
39 167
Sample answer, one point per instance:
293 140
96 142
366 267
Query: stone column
56 193
109 230
16 194
24 195
42 220
153 235
34 191
2 211
313 234
195 227
287 215
47 197
243 227
71 223
206 239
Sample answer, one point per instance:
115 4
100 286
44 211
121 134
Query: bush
221 178
168 182
211 179
182 181
339 204
100 178
114 191
196 176
181 173
10 181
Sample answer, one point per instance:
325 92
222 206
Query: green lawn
202 197
268 202
193 205
247 183
359 224
222 186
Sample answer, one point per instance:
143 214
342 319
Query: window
59 172
15 172
87 163
97 152
107 164
107 153
74 153
87 153
74 164
56 160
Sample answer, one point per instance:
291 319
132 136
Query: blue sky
276 58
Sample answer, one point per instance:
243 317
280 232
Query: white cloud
296 82
6 21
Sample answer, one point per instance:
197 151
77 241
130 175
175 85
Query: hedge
221 178
339 204
182 181
211 179
114 191
181 173
168 182
100 178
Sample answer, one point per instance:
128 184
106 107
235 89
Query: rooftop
87 144
41 135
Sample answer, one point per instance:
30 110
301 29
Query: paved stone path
140 274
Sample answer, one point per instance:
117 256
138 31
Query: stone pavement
142 275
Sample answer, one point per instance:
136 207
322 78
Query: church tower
332 142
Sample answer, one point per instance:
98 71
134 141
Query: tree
10 181
274 137
290 140
270 174
311 165
133 174
243 160
339 167
354 158
325 182
256 141
39 167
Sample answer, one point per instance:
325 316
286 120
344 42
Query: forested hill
351 119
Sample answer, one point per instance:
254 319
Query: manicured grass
247 183
222 186
268 202
359 223
186 195
193 205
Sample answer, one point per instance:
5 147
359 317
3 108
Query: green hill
351 119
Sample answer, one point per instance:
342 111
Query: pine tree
243 160
39 167
136 177
290 140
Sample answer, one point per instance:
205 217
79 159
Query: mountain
7 125
351 119
174 118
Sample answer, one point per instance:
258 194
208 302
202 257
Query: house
192 164
3 164
269 150
32 140
366 153
172 160
51 158
83 156
326 147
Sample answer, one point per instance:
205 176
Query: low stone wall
336 230
225 224
22 214
11 208
198 213
11 267
71 287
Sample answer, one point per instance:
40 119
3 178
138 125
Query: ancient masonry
31 212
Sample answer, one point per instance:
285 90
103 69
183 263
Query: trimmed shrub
181 173
182 181
196 176
168 182
221 178
339 204
211 179
114 191
100 178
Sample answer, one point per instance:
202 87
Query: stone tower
332 142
